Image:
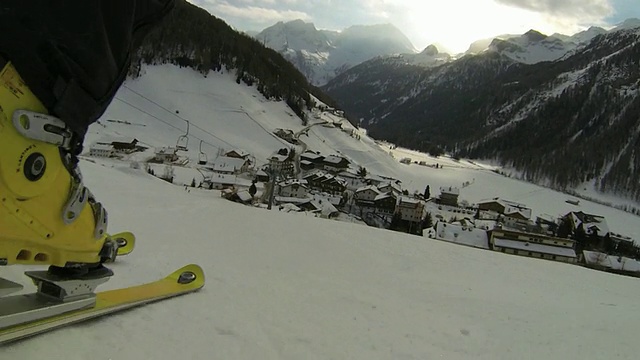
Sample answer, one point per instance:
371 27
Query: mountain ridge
561 112
323 54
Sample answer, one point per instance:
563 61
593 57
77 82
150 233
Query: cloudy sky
452 23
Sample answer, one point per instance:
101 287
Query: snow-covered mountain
532 47
515 104
321 55
429 57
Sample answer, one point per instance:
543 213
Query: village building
282 163
506 208
591 224
166 155
611 263
101 150
325 182
353 181
546 223
123 145
321 207
293 188
220 181
230 165
448 196
237 153
391 188
316 160
533 245
306 165
366 195
409 209
335 164
385 203
285 134
261 176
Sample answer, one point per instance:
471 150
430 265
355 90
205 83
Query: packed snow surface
284 286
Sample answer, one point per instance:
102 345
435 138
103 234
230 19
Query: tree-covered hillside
189 36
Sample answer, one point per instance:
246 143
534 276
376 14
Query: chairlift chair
202 157
183 140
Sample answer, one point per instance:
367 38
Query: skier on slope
60 66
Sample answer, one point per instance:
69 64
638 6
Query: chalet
611 263
591 224
366 195
391 188
293 188
326 208
166 154
242 196
230 165
533 245
220 181
313 158
412 210
354 181
506 208
282 162
306 165
448 196
286 134
125 145
101 150
287 207
385 203
236 153
325 182
335 164
121 144
378 180
261 176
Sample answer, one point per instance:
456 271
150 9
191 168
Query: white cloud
260 14
565 8
253 12
453 23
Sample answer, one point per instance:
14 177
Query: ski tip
190 275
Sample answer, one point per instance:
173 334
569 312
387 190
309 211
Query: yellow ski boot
47 216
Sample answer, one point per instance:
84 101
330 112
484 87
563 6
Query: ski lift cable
174 114
172 125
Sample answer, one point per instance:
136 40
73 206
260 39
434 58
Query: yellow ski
187 279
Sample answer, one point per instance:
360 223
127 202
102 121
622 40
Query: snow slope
285 287
226 116
279 288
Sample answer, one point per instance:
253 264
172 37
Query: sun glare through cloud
456 24
452 24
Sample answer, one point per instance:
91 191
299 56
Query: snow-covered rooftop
332 159
534 247
225 163
103 147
